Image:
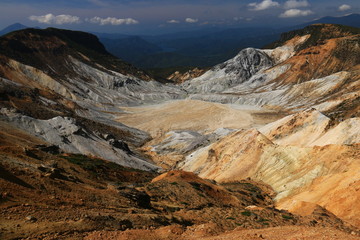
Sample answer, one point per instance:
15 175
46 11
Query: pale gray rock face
116 88
248 62
185 142
230 73
72 138
259 90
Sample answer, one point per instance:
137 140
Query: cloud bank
112 21
173 21
263 5
344 7
58 20
68 19
296 13
191 20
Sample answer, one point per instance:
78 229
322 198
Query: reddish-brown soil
207 232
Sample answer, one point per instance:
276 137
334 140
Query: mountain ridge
63 42
317 35
12 27
352 20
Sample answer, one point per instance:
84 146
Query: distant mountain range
187 49
130 48
203 48
352 20
12 27
200 48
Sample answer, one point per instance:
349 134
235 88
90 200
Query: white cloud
344 7
296 4
112 21
295 13
52 19
263 5
173 21
242 19
191 20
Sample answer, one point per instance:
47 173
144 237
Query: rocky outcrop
72 138
230 73
345 133
300 129
170 149
179 77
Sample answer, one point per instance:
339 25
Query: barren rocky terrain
263 146
206 232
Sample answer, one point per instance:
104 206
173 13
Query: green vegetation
287 217
196 185
250 187
92 164
246 213
264 221
201 195
108 171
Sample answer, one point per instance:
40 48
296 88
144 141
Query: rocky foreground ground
46 194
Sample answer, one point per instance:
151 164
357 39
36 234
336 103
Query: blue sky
155 16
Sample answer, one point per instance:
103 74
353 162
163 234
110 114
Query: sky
164 16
